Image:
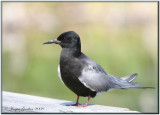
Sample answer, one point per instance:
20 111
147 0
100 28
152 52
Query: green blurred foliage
120 36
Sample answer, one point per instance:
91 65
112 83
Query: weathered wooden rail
22 103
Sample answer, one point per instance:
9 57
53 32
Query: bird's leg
76 104
86 103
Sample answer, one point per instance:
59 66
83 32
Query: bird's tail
130 78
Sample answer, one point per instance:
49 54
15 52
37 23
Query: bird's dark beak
55 41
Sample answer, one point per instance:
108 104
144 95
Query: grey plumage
129 78
95 78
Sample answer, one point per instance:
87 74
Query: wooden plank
22 103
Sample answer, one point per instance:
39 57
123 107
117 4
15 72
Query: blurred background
120 36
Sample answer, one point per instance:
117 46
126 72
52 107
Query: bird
84 76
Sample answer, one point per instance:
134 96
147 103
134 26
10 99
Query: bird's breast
70 68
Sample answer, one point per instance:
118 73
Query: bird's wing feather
95 78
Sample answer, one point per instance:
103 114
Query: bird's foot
83 105
76 104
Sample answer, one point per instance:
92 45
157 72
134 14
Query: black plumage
81 74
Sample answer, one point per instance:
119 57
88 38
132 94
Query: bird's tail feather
129 78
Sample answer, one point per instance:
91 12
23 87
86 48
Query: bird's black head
68 39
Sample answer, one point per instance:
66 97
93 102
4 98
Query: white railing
22 103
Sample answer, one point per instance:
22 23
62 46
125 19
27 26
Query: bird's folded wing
95 78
